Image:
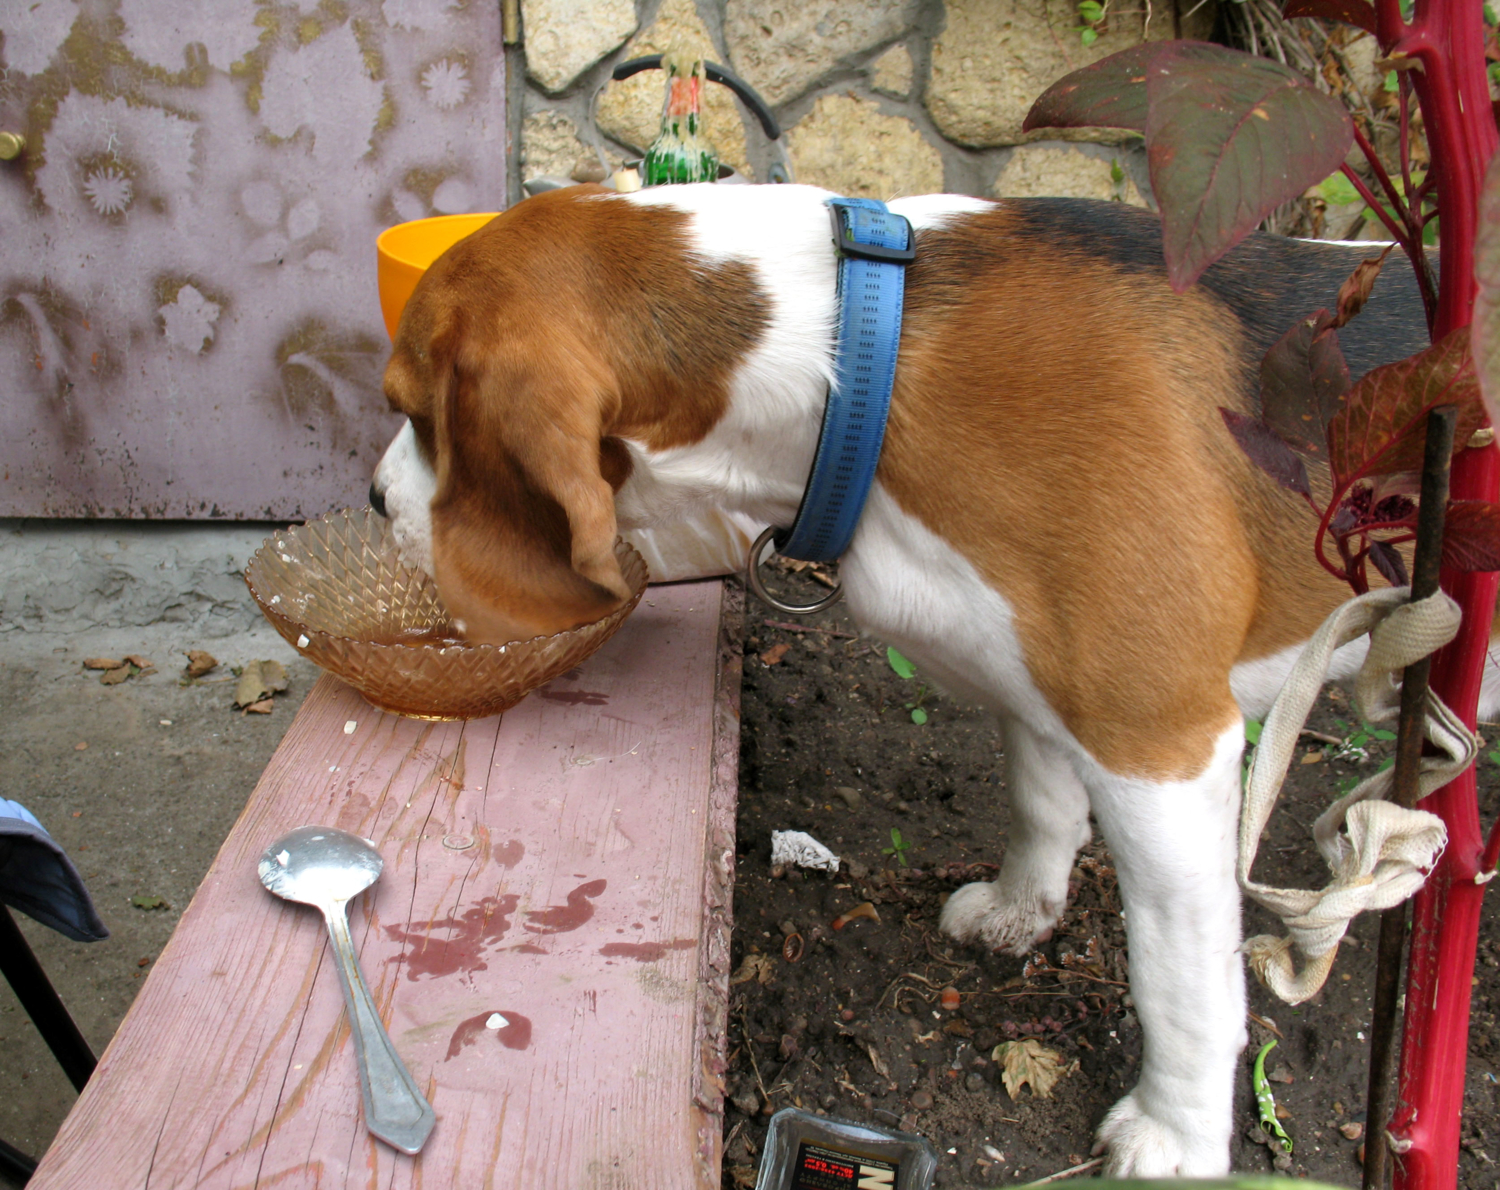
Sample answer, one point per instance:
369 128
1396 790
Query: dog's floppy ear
524 519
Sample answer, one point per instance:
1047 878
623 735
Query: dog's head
527 356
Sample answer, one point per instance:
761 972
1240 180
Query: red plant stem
1447 37
1398 203
1397 231
1403 105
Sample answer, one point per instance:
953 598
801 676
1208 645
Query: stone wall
877 98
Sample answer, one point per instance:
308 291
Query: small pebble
974 1081
850 797
846 1014
1352 1131
921 1100
788 928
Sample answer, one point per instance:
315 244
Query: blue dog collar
874 249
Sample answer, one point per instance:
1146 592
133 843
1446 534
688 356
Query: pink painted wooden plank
569 868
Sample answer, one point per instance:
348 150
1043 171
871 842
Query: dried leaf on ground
1028 1061
252 687
263 707
258 682
102 663
756 966
200 662
140 662
775 653
149 902
273 673
114 677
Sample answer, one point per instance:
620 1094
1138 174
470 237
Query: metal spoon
325 867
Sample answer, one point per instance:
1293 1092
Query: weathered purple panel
189 324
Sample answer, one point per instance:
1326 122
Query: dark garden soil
854 1022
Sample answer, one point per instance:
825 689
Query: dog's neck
757 458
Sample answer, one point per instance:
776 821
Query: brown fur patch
1143 555
527 350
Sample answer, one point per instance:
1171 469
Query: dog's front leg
1049 822
1173 845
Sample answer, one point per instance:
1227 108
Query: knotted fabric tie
1383 853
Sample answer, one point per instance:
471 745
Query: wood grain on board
568 868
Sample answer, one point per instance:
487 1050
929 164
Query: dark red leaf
1267 451
1349 12
1355 292
1390 563
1471 535
1303 382
1110 93
1381 429
1229 137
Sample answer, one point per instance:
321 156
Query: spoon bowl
317 865
326 867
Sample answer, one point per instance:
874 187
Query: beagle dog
1061 527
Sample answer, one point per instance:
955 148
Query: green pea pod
1266 1102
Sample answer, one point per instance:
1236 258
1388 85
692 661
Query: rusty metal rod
1437 462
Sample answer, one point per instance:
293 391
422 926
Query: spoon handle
395 1110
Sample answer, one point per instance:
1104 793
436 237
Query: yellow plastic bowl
406 251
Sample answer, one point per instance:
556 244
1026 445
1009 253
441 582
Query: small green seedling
1090 12
898 848
1264 1101
905 669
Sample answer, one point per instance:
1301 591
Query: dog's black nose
377 500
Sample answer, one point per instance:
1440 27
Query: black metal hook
716 74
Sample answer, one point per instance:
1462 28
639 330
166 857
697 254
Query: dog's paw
1137 1145
997 918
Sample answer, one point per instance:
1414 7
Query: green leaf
1380 733
918 716
1088 36
903 667
1392 83
1252 731
148 902
1337 189
1380 430
1229 138
1494 755
1090 10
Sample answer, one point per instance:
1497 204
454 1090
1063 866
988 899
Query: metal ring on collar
752 579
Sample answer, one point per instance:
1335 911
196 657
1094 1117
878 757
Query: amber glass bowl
338 592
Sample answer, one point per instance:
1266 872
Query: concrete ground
140 781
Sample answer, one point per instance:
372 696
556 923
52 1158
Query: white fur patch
405 480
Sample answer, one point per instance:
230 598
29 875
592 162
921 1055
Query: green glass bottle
680 153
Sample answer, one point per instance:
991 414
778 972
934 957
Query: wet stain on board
450 945
559 919
510 1029
645 952
510 853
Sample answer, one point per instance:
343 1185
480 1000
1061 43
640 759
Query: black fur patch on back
1267 282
